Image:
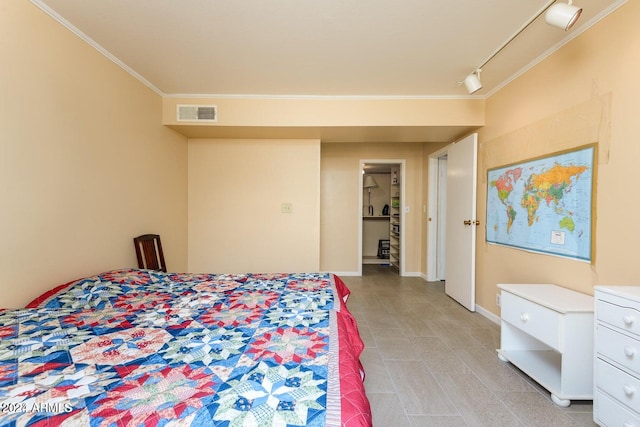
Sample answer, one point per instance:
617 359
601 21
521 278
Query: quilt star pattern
136 347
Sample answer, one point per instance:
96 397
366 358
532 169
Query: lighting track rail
560 15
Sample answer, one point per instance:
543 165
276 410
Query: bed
146 348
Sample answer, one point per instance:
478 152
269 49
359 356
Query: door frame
434 222
402 164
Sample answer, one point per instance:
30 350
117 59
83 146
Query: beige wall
84 161
340 211
236 189
586 92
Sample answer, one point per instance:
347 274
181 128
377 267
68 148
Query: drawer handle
629 390
630 352
628 424
524 317
628 319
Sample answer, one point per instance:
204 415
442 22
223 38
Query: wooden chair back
149 252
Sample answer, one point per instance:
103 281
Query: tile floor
431 362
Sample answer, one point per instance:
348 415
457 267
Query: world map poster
544 205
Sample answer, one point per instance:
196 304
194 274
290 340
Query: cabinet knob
628 319
630 352
629 390
524 317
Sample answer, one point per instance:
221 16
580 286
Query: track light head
563 15
472 82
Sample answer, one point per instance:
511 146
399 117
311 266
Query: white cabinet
617 356
547 332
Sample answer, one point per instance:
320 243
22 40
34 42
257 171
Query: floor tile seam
526 379
394 359
479 379
395 388
496 398
386 336
526 422
450 350
442 389
449 397
533 384
557 409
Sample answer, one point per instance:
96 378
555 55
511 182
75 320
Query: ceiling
319 48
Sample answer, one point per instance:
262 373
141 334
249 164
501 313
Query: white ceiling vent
197 113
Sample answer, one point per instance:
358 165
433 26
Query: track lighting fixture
557 14
472 82
563 15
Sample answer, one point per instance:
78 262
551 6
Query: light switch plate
286 207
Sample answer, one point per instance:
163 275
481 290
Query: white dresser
617 356
547 332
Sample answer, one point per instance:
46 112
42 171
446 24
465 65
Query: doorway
437 216
381 219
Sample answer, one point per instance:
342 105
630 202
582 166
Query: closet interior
381 214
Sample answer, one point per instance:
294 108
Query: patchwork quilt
144 348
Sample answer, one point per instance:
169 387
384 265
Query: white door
460 279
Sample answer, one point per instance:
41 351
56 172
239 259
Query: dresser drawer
540 322
618 347
618 384
625 318
612 414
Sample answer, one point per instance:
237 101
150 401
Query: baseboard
344 273
489 315
375 261
411 274
355 273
